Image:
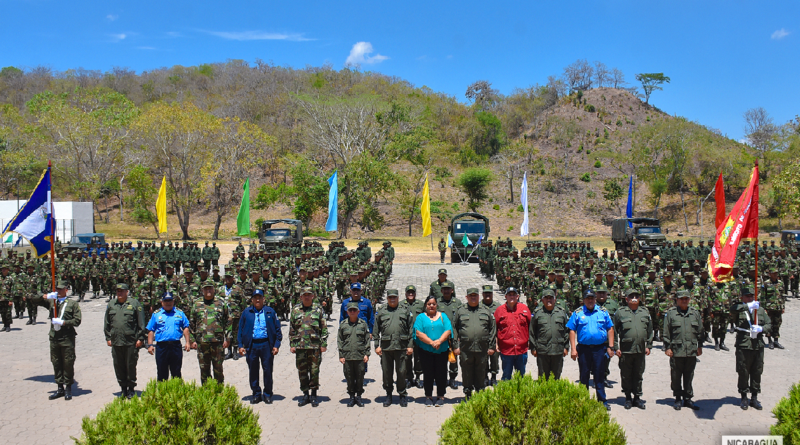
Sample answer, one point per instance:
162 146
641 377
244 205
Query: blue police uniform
259 332
591 329
168 329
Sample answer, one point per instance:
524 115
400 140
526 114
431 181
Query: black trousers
681 370
259 358
354 374
169 359
434 369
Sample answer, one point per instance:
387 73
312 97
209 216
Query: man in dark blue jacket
259 341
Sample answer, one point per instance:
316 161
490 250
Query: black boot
716 344
628 402
352 401
68 392
494 379
131 393
744 403
57 394
123 391
467 394
707 339
637 402
234 353
314 401
359 403
420 385
229 354
403 401
770 345
487 382
722 345
776 344
689 404
305 400
453 384
754 402
677 405
388 401
30 320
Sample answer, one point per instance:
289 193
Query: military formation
668 298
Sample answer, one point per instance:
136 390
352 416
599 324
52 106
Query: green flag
465 241
243 220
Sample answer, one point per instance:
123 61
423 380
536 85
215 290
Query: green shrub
175 411
619 122
523 410
586 177
597 164
510 228
590 194
589 108
496 207
549 186
787 411
520 208
605 133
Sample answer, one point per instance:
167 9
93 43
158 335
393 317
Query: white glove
57 321
756 329
753 305
52 295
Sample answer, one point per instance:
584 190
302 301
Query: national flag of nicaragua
34 221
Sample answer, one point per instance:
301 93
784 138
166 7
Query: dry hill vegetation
113 135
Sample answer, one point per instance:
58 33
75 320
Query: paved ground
29 418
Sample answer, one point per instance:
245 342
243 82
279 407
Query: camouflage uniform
209 327
308 333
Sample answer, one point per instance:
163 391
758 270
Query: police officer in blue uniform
259 341
166 327
591 337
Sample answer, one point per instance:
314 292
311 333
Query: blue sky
724 57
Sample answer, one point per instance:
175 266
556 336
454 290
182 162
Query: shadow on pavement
709 407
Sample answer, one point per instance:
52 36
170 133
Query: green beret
472 290
392 293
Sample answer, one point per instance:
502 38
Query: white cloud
259 35
111 17
174 34
779 34
118 37
360 55
149 48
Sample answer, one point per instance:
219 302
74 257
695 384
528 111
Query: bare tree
761 133
602 75
482 93
618 79
579 75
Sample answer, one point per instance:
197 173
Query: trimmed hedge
524 410
174 412
787 411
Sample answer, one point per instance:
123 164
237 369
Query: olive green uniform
749 351
493 367
633 332
474 333
449 308
353 345
683 334
124 325
549 337
414 309
62 342
393 332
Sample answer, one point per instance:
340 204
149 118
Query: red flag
741 223
719 197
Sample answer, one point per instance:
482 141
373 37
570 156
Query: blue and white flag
333 203
34 221
629 209
480 240
523 195
449 240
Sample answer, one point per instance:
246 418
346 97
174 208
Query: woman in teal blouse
431 332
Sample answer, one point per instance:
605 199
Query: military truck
473 225
788 236
632 234
83 241
291 232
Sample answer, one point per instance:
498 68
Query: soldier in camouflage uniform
210 332
6 297
308 338
774 303
34 287
236 300
719 303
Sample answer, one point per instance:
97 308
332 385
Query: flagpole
52 237
755 288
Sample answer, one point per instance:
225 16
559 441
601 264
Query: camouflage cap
228 272
630 292
442 271
488 288
187 266
548 293
651 270
667 274
352 305
684 294
447 284
62 284
688 274
307 290
215 268
209 283
748 290
122 286
392 293
472 290
140 266
255 270
773 270
601 288
411 288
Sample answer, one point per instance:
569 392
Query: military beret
352 305
411 287
62 284
630 292
488 288
442 271
684 294
392 293
306 290
122 286
548 293
601 288
209 283
447 284
472 290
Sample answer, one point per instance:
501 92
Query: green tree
612 192
651 82
787 188
488 137
142 196
474 183
311 193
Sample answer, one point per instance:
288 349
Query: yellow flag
425 210
161 206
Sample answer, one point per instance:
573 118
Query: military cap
773 270
748 290
684 294
122 286
187 265
303 269
559 271
209 283
167 296
392 293
216 268
632 292
355 286
62 284
140 266
601 288
589 294
548 293
267 267
228 272
352 305
488 288
472 290
667 273
442 271
258 293
651 270
254 270
688 274
447 284
307 290
511 290
411 287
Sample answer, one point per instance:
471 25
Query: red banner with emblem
741 223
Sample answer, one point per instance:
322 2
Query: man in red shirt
512 319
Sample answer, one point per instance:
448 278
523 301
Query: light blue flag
629 210
34 221
449 240
333 203
480 240
523 194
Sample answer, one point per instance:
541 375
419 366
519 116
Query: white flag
523 195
